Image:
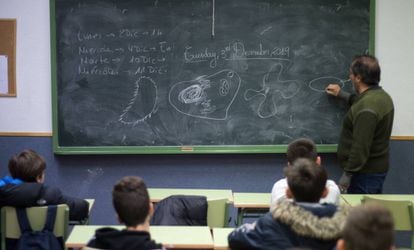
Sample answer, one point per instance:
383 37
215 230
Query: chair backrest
37 217
402 212
217 213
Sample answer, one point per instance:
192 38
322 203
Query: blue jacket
15 193
289 224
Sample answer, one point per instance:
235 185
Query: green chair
37 217
217 213
402 212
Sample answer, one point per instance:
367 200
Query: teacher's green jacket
366 130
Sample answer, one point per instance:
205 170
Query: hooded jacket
290 224
110 238
16 193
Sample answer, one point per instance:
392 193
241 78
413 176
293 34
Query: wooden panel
28 134
402 138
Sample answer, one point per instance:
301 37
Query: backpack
38 240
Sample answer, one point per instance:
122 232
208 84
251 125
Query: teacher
363 149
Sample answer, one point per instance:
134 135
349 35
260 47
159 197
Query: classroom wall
393 41
89 176
31 110
93 176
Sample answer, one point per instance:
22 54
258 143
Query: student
25 187
133 208
304 148
368 227
304 223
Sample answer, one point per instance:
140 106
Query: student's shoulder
46 189
50 195
24 194
280 183
330 184
278 190
22 187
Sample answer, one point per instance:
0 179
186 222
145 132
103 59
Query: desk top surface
183 237
220 238
355 199
157 194
260 200
251 200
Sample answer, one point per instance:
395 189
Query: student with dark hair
304 148
25 187
368 227
304 223
363 148
28 166
133 208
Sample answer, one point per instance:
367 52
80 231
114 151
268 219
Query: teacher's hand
333 89
344 182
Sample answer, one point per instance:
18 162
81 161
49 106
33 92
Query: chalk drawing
206 97
142 104
319 84
273 88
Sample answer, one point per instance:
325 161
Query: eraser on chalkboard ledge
187 149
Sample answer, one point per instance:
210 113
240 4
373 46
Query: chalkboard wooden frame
182 149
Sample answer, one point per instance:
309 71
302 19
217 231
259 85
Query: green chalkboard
201 76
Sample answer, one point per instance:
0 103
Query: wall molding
27 134
402 138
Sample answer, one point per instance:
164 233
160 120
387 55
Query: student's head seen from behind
368 227
131 201
27 166
302 148
306 181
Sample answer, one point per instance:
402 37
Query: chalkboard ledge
228 149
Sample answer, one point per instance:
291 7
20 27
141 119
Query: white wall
31 111
395 51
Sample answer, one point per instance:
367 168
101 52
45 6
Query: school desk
182 237
157 194
220 238
90 202
355 199
250 205
253 205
